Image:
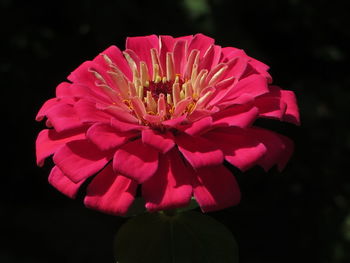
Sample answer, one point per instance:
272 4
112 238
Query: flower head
163 114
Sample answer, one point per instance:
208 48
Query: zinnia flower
165 114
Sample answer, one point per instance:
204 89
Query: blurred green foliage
301 215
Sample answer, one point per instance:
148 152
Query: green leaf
188 237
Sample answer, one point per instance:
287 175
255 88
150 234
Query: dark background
300 215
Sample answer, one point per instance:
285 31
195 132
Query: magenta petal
261 68
142 47
170 187
80 159
63 184
198 151
49 141
229 53
292 111
88 112
255 85
236 67
180 56
125 126
105 137
83 76
166 45
176 122
63 90
110 193
211 58
200 126
116 56
162 142
215 188
136 160
271 107
279 148
63 117
46 106
239 115
240 147
201 43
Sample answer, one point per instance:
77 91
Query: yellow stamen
140 92
194 74
150 102
188 89
192 58
132 90
168 99
176 93
144 74
120 81
131 62
107 59
156 77
155 61
170 68
197 85
161 105
97 75
214 79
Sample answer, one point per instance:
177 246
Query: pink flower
163 114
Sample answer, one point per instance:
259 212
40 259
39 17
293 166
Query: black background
300 215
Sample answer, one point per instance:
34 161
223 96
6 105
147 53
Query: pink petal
105 137
180 56
83 76
125 126
162 142
89 113
142 47
254 85
110 193
261 68
69 93
166 45
200 42
116 56
285 99
236 67
170 187
49 141
119 114
200 126
238 115
186 38
136 160
80 159
63 184
292 112
211 58
229 53
63 90
270 107
240 147
176 122
63 117
279 148
46 106
198 151
215 188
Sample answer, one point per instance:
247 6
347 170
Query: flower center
164 93
164 86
